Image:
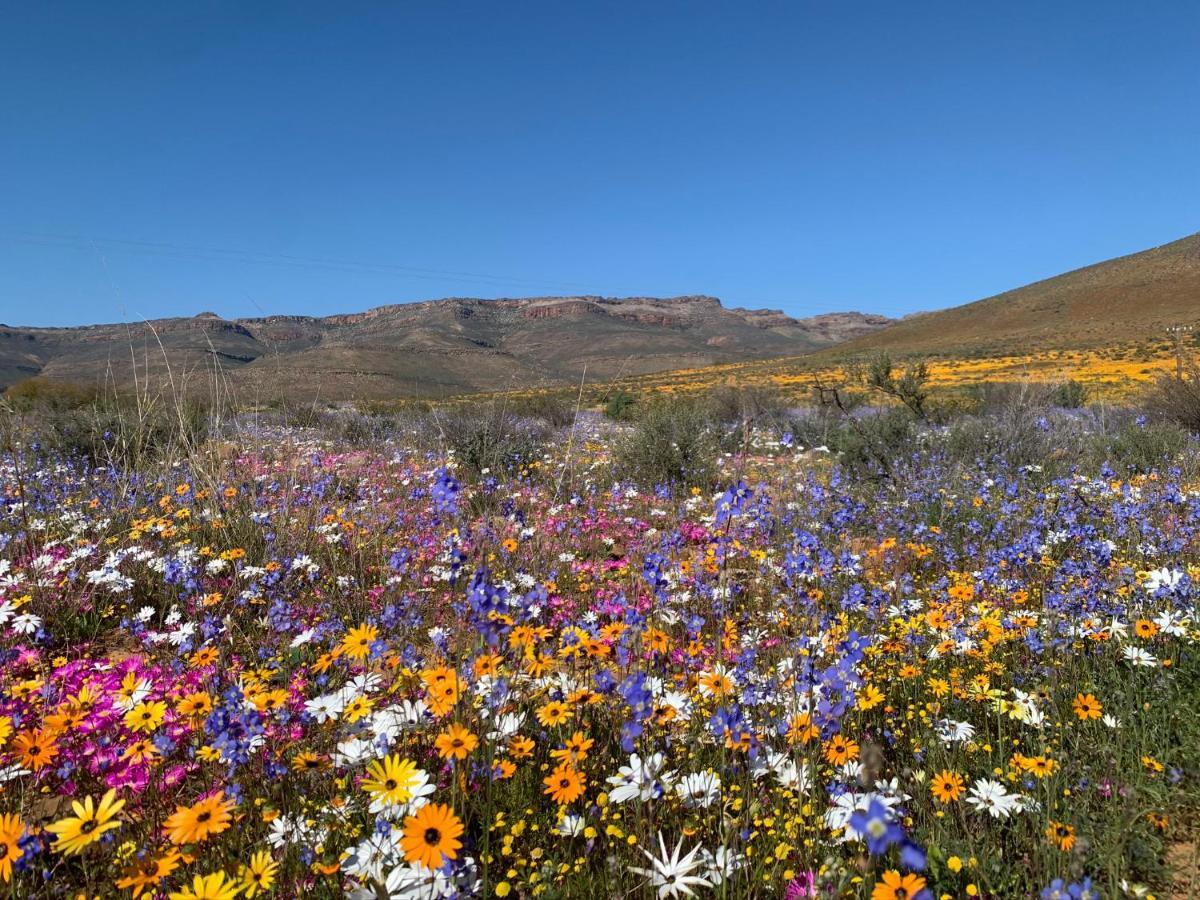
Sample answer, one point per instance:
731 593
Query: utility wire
215 254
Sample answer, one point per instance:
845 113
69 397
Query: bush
1012 427
1071 394
553 409
105 429
491 439
44 394
749 405
674 442
872 445
910 387
812 428
1175 400
1144 448
621 407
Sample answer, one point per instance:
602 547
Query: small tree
911 387
1071 394
620 406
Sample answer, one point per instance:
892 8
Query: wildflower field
313 669
1113 373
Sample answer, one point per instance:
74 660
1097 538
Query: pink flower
803 885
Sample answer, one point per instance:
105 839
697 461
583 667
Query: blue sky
266 158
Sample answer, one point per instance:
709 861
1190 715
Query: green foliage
621 406
1071 394
673 442
910 387
490 439
553 409
872 444
1144 448
44 394
121 430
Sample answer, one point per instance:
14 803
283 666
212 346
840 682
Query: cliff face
432 348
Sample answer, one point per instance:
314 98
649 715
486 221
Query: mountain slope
1124 300
434 348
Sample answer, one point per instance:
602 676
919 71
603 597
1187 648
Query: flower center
433 837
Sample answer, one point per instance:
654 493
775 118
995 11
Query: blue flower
877 827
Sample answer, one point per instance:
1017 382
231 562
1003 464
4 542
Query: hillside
429 349
1126 300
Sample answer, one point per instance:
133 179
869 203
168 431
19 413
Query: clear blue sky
168 158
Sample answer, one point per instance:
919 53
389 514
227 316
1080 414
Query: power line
216 254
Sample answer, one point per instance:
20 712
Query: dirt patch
1184 862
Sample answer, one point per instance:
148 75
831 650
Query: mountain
429 349
1126 300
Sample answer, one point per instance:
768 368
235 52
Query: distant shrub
1175 400
621 406
490 439
113 429
812 428
1070 394
1013 424
747 405
1143 447
46 394
553 409
909 387
301 415
359 429
874 444
673 442
1011 440
117 431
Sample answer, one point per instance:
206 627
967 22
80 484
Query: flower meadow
321 670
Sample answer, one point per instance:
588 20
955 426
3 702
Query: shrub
673 442
1011 426
871 445
910 387
553 409
1144 447
105 429
490 439
748 405
1071 394
46 394
621 406
1176 400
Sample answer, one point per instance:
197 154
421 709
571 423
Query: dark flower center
204 816
433 837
